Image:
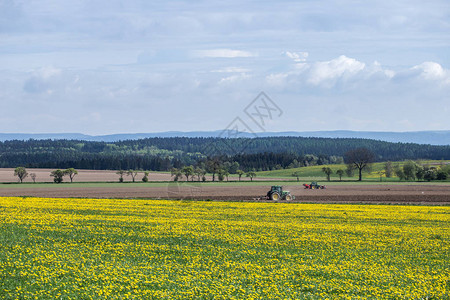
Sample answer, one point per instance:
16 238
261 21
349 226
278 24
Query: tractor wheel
275 196
288 197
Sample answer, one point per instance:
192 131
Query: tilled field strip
426 194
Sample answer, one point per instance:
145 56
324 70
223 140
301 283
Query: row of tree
412 171
22 173
359 159
198 173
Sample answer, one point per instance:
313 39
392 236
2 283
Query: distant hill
417 137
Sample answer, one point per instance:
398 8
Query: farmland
392 193
315 172
112 248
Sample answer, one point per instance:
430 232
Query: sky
104 67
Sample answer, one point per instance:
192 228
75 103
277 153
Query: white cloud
223 53
234 78
327 71
431 70
231 70
41 80
277 80
297 56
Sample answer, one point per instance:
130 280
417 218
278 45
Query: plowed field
355 193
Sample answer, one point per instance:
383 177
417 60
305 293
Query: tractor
277 193
313 186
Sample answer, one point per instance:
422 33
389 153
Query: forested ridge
161 154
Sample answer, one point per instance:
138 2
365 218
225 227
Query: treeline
163 154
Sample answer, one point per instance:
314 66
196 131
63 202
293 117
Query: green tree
20 172
226 174
446 169
327 171
360 159
251 174
231 167
297 175
176 174
349 171
132 173
71 172
381 173
240 173
220 174
187 171
399 172
441 175
430 174
409 169
420 172
213 166
388 169
145 178
58 175
340 172
199 172
121 173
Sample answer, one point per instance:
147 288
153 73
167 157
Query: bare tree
359 159
121 173
33 177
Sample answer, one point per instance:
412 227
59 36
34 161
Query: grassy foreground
148 249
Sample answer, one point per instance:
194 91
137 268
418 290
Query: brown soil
43 175
373 194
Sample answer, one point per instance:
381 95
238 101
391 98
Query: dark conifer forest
162 154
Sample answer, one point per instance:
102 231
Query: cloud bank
135 66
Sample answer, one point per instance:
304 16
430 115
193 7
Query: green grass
315 172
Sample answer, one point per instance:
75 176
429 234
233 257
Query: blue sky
101 67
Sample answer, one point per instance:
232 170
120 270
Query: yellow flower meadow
156 249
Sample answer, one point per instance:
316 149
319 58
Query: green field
149 249
315 172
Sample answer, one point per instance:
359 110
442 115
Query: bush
145 178
441 175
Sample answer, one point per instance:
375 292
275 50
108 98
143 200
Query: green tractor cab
277 193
